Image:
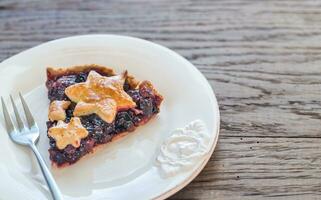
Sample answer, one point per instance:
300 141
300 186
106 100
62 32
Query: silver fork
29 136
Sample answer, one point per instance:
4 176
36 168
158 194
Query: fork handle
52 185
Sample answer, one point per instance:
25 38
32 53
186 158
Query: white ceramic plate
125 169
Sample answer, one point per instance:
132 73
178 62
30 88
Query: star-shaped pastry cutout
57 110
68 133
101 95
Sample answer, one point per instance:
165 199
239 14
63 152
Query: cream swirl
183 148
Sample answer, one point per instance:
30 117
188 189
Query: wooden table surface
262 58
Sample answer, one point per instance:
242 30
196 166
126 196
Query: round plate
124 169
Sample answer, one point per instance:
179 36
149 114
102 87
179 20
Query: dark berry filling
100 132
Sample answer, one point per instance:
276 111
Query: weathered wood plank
253 168
262 58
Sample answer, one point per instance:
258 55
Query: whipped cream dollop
183 148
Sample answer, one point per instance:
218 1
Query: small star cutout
70 133
57 110
101 95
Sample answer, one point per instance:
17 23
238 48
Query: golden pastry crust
53 72
68 133
149 85
101 95
57 110
63 71
105 109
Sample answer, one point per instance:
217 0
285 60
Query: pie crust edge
53 72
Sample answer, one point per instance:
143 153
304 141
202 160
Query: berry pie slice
91 105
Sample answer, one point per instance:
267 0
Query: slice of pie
91 105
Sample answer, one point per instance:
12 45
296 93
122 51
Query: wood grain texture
254 168
262 58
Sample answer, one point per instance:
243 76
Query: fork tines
9 124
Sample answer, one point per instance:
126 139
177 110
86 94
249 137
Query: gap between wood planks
269 136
